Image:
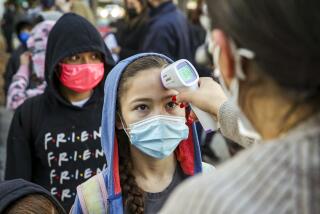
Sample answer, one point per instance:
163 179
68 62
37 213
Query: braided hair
132 194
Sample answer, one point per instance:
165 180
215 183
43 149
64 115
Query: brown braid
132 194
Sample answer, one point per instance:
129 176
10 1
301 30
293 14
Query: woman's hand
209 97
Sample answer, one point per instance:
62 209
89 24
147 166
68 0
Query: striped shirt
280 176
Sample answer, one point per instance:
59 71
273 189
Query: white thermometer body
181 75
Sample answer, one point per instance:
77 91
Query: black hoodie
14 190
51 142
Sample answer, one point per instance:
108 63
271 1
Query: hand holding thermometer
181 75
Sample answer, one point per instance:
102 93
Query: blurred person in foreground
267 53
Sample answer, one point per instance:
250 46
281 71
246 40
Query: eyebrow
142 99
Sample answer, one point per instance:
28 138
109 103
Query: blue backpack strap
93 196
76 207
207 168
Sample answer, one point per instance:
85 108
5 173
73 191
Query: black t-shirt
153 202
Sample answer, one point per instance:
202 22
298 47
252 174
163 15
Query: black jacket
14 190
131 35
51 142
168 33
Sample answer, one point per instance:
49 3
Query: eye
171 105
141 107
96 56
74 58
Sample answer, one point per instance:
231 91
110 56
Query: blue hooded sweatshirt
187 153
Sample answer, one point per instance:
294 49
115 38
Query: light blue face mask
158 136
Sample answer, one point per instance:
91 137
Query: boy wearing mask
54 138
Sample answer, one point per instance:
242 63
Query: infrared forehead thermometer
181 75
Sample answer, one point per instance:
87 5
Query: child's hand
25 58
209 97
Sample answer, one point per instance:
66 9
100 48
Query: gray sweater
279 176
227 117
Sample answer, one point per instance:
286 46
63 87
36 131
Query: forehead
84 54
146 84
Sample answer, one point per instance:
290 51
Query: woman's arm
211 98
228 117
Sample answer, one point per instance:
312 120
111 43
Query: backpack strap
207 168
93 195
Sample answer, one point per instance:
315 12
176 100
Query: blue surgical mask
23 37
158 136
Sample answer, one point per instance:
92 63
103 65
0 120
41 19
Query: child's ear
119 125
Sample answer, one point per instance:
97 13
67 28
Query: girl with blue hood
149 141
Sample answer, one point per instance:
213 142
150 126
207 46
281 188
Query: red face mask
81 78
